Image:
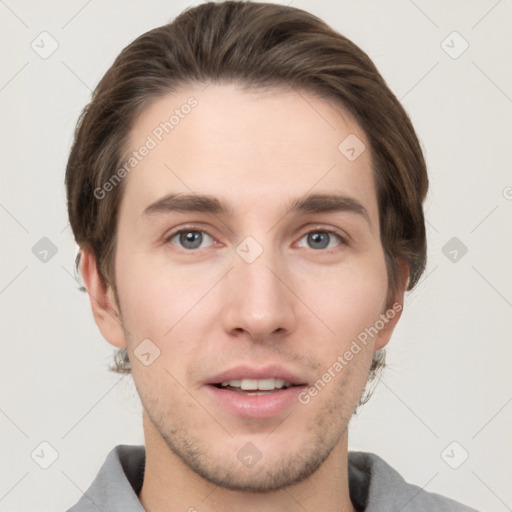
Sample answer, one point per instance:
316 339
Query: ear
102 299
394 310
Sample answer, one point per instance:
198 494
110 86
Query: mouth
255 387
256 393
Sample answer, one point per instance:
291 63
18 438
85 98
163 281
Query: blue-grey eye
190 239
321 239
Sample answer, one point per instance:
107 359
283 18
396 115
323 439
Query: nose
259 301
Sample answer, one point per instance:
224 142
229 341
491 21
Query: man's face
261 286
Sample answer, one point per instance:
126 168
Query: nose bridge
259 302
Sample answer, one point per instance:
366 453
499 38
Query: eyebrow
313 203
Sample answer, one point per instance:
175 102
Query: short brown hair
256 45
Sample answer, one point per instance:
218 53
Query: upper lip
245 371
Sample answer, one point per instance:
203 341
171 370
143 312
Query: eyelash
187 229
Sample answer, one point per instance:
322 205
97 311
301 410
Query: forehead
254 148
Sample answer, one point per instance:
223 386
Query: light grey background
449 360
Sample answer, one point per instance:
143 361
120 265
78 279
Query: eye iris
319 239
191 237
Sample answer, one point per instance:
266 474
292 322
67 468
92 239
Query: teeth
279 383
251 384
254 384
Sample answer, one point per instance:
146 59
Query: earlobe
102 300
394 310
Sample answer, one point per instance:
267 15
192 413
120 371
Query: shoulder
379 487
117 483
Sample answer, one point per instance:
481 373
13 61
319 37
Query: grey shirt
374 486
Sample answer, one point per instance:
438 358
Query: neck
171 486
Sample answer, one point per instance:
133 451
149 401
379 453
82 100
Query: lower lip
255 406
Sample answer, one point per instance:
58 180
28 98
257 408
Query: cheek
354 307
156 295
163 303
348 298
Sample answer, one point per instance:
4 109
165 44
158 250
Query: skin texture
207 309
